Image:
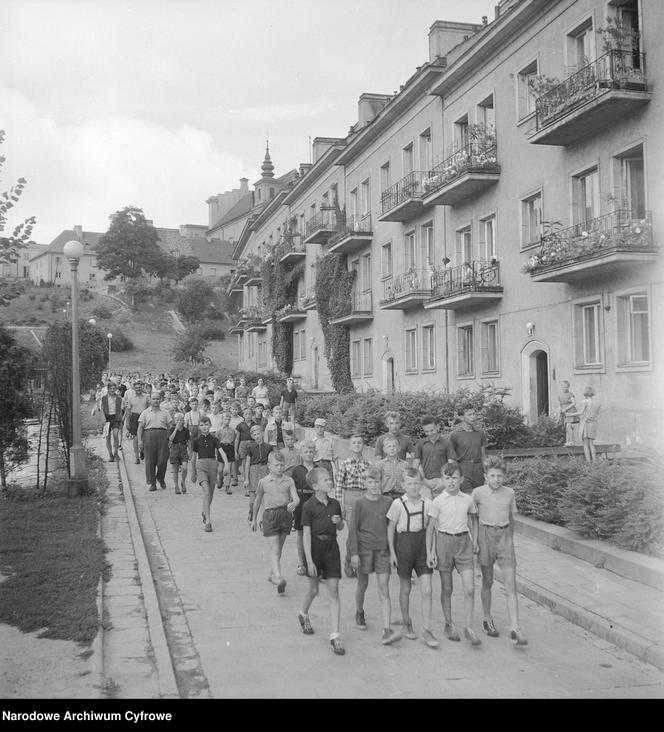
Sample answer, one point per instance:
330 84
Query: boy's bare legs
509 583
301 558
485 594
175 469
360 590
312 592
276 544
335 605
446 595
425 589
404 599
208 492
383 583
184 467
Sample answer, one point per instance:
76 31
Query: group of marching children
447 507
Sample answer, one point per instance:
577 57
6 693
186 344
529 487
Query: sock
334 635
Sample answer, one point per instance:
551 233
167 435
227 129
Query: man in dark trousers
111 406
153 425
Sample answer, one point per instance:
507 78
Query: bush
32 296
102 313
121 342
56 302
85 295
212 332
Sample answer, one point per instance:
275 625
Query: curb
604 628
98 642
631 565
168 688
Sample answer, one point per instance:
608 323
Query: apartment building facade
502 214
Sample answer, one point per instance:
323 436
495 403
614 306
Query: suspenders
409 515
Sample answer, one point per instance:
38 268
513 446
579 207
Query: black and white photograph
329 365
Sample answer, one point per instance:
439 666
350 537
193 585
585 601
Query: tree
15 404
194 300
129 248
190 346
10 245
177 268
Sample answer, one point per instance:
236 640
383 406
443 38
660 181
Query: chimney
321 145
444 35
369 107
244 186
305 168
78 232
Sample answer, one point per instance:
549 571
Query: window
426 156
213 271
585 187
386 260
365 273
428 246
633 314
489 347
531 219
251 343
428 347
486 114
410 254
303 345
92 277
488 238
461 133
367 360
353 203
365 200
407 158
355 359
385 177
631 188
525 94
587 331
580 46
296 344
465 351
464 245
411 349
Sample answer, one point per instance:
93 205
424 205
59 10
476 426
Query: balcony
308 300
602 245
354 235
596 96
359 310
293 252
468 285
254 279
463 174
325 224
403 201
407 291
291 314
236 330
255 325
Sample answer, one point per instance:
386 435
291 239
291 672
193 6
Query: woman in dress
588 417
260 393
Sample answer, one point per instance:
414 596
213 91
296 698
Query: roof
241 208
90 240
213 252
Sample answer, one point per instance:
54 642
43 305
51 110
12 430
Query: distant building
21 268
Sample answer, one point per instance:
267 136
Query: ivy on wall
334 286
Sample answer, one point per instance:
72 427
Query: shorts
496 545
326 557
133 423
114 422
374 560
206 473
454 551
297 514
229 449
276 521
411 550
178 453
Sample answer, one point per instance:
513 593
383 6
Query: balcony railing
475 158
293 250
617 232
355 232
465 284
614 70
308 300
409 288
358 309
323 225
409 189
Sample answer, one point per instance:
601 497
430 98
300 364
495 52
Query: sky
160 104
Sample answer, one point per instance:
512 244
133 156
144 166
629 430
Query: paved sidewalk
231 635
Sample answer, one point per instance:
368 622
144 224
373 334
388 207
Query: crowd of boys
433 504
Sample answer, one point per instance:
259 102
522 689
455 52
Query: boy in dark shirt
321 519
205 451
178 452
255 465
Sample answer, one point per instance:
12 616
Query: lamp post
73 250
110 338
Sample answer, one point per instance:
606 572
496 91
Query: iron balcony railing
327 218
614 70
360 302
620 230
353 225
413 282
410 186
308 300
475 156
475 276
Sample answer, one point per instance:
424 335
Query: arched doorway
535 380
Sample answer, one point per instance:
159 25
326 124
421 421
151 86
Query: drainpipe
447 332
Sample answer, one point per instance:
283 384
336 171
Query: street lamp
74 250
92 321
110 337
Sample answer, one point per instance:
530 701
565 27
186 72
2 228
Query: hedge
619 502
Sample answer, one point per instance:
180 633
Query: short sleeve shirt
433 455
494 507
276 491
468 444
318 516
289 397
405 446
450 512
151 419
205 446
258 453
403 506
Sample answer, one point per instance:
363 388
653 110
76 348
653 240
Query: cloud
275 113
82 171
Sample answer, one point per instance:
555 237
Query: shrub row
505 425
612 501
